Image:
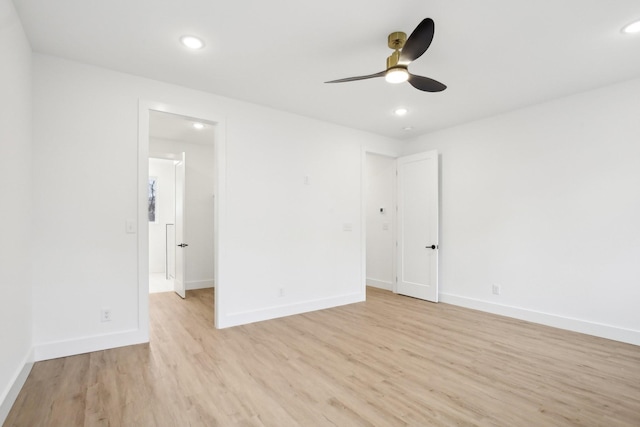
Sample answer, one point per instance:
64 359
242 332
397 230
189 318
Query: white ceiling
179 128
494 55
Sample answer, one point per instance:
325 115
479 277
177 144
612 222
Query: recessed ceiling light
192 42
632 28
408 128
198 125
400 111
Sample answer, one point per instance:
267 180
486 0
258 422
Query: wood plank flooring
390 361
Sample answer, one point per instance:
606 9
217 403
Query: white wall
15 207
164 171
200 179
380 193
279 232
545 202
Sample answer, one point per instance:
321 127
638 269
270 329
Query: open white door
181 246
417 266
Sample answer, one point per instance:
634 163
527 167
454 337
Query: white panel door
181 246
417 265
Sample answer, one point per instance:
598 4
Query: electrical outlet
496 289
105 315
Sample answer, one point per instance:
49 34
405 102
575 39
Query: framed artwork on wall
153 189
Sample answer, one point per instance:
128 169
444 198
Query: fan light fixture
397 75
192 42
632 28
405 51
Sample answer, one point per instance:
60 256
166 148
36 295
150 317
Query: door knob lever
431 247
183 245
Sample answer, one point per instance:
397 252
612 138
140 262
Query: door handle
431 247
183 245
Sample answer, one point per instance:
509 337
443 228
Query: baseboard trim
629 336
55 349
10 394
382 284
199 284
244 317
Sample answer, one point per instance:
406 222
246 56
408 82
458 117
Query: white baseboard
10 395
55 349
242 318
629 336
199 284
382 284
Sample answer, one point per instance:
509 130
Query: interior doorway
380 220
181 202
401 216
172 133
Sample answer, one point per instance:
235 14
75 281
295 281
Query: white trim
64 348
382 151
219 217
199 284
142 217
363 220
382 284
10 394
244 317
577 325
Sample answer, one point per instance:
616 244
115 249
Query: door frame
180 280
202 114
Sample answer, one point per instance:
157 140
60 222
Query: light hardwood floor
391 361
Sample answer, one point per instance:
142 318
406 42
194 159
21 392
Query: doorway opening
401 214
171 139
181 202
380 220
162 232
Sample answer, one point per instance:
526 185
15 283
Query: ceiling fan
405 52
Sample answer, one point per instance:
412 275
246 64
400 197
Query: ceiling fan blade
426 84
418 42
352 79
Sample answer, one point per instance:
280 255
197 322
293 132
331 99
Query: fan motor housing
396 40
